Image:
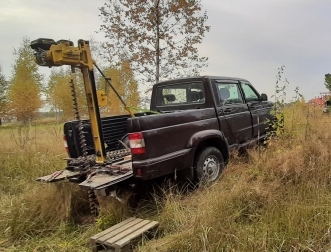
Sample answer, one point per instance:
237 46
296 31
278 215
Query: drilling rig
99 171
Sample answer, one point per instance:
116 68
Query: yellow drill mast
63 52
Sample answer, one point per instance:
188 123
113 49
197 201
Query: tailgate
96 177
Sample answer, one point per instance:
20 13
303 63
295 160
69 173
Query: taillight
137 143
65 143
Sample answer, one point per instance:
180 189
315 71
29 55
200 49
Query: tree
327 81
158 37
3 93
60 93
123 81
25 84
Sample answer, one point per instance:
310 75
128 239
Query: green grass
273 199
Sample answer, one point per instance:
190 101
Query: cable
117 94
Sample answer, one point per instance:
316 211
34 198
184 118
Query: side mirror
264 97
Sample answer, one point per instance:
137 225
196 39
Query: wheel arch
209 138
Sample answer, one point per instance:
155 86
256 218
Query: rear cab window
189 93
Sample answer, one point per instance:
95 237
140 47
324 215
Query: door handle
227 110
254 106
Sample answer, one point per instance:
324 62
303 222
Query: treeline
26 92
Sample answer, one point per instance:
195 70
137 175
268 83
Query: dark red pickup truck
198 120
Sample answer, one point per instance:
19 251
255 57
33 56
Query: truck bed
114 128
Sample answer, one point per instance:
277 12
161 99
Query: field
276 197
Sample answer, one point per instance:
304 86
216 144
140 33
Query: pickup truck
195 122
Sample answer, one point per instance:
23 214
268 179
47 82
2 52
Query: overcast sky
248 39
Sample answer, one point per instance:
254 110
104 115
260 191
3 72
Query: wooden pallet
118 238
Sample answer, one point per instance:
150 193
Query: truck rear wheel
209 165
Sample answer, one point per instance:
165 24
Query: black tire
209 165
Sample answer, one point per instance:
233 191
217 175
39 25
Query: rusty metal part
93 201
118 154
55 175
86 162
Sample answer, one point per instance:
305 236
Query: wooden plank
96 245
118 237
125 233
108 230
119 231
135 234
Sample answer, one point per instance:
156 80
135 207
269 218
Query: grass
36 216
275 198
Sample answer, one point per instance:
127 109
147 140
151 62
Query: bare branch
158 37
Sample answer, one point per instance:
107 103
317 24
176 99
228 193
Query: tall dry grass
34 216
275 198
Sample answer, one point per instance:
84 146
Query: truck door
258 109
233 114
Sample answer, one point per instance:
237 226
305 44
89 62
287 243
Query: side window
229 93
186 93
249 93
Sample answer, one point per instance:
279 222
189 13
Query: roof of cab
200 78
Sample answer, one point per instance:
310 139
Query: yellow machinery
100 175
50 53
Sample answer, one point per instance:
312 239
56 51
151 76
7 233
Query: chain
93 200
89 161
82 139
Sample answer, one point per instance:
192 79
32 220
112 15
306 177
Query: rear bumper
163 165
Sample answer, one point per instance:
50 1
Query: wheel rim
211 168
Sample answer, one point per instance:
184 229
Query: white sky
248 39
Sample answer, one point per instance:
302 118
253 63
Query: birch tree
158 37
25 85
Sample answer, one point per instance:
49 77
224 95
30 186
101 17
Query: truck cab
197 114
